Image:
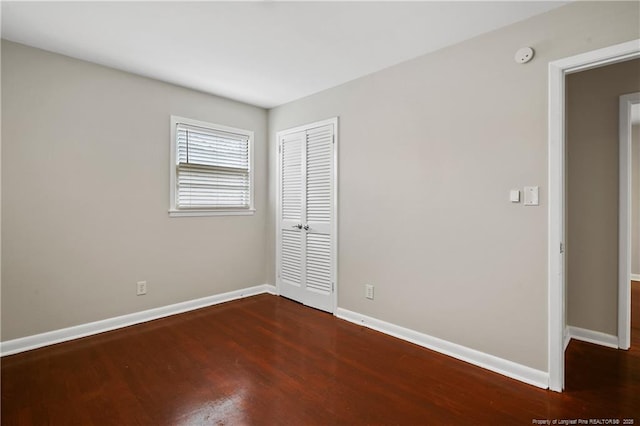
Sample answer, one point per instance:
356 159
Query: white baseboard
490 362
57 336
591 336
567 337
635 277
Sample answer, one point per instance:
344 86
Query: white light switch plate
531 195
514 196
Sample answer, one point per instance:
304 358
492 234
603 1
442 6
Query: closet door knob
306 227
299 226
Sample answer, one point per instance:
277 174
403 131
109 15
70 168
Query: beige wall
85 175
429 150
635 200
1 337
592 193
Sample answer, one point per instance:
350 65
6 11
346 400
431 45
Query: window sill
217 212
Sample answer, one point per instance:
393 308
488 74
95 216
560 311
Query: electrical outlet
368 291
142 288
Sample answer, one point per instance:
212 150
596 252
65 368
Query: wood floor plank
267 360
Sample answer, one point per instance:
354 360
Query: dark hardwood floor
268 361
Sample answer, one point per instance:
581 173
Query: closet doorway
306 227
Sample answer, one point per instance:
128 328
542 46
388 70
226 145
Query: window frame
174 210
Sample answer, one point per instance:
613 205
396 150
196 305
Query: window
211 169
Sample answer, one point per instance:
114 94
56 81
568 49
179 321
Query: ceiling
262 53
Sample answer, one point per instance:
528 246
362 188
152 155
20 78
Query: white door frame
624 251
556 278
334 208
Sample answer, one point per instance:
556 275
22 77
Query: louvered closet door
291 269
319 201
306 264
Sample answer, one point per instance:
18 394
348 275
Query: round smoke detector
524 55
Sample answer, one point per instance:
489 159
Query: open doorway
558 291
630 278
633 126
597 203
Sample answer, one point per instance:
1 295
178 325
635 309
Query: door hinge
280 149
561 248
333 287
333 139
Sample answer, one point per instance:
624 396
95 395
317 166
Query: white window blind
212 167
